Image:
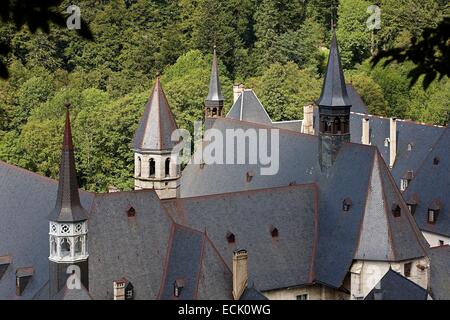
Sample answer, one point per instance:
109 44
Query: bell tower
334 109
155 165
68 229
214 100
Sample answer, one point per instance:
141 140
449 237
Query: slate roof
26 199
420 136
357 102
278 262
248 108
394 286
156 125
339 232
68 207
132 247
440 272
334 91
215 89
252 294
432 183
294 125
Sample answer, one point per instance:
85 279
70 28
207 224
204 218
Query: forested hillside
276 47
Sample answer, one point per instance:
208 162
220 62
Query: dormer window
410 146
274 232
230 237
404 182
346 204
433 211
123 289
5 261
23 276
436 161
249 176
396 210
386 142
131 212
432 215
178 286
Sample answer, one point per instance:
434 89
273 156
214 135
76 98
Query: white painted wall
366 274
434 239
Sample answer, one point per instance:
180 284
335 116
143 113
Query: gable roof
432 184
357 102
248 108
440 272
283 261
156 125
394 286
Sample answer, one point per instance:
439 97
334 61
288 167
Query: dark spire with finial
215 89
334 91
68 207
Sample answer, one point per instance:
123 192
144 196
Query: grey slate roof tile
440 272
157 124
432 181
248 108
393 286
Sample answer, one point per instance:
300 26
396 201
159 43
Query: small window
346 204
129 291
151 170
436 161
407 269
410 146
403 184
131 212
214 112
441 242
412 208
274 232
249 176
65 247
386 142
178 285
230 237
432 215
396 211
139 166
78 245
302 296
167 167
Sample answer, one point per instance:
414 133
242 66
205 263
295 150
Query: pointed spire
215 89
68 207
334 91
157 124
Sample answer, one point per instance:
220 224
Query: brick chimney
365 137
240 272
237 90
392 141
308 119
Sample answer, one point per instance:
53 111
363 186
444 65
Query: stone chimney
392 141
308 119
240 272
119 289
365 137
237 90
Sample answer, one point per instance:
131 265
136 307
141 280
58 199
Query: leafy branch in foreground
429 54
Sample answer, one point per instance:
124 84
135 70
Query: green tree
371 93
285 89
